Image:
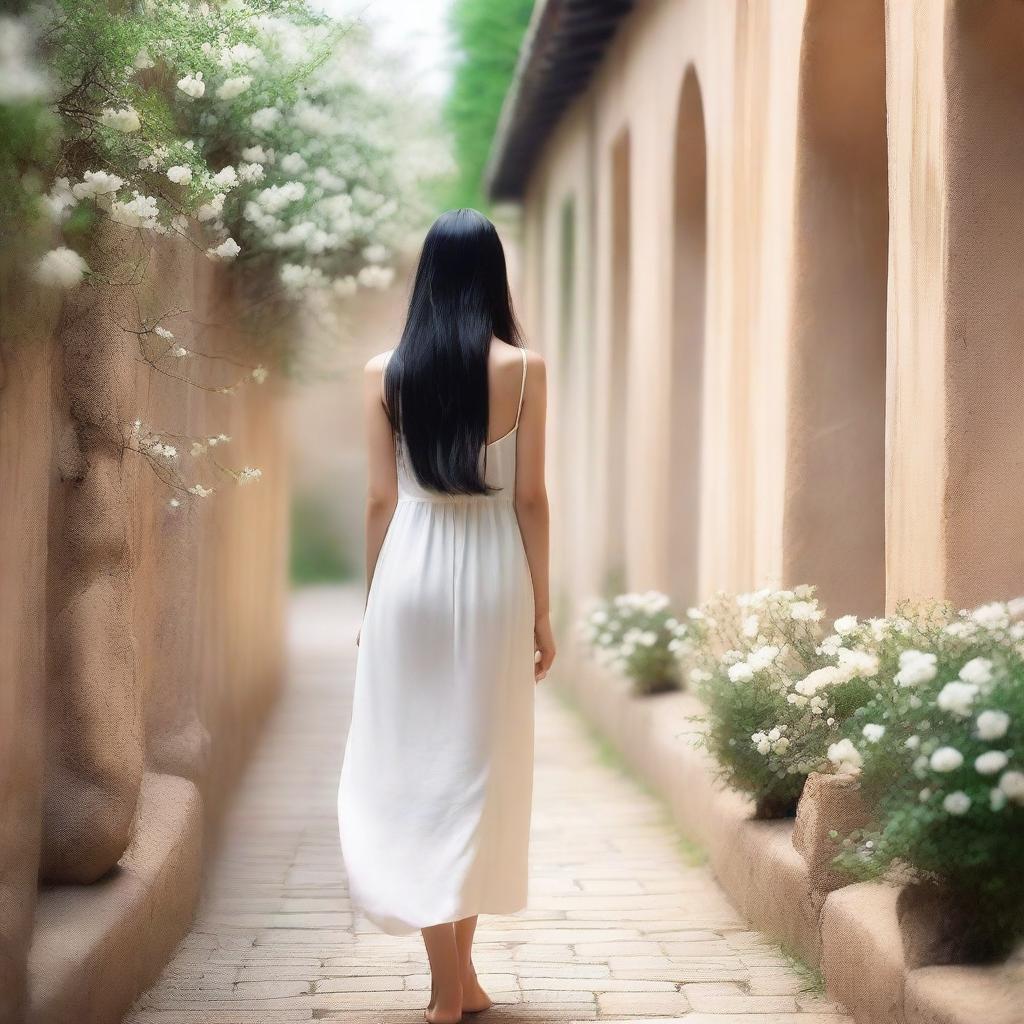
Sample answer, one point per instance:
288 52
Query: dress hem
408 929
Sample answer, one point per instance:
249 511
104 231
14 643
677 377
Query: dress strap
522 390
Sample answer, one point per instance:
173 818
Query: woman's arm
382 471
531 504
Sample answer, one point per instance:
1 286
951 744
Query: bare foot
474 998
444 1010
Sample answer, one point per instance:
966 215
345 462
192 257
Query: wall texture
815 290
141 643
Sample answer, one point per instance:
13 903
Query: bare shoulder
537 369
375 367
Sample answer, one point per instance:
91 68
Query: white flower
698 676
180 174
251 173
857 663
845 625
751 626
140 212
961 630
373 275
59 200
1015 607
781 745
179 352
977 671
805 611
946 759
845 757
61 267
992 616
249 475
260 374
873 733
200 491
741 672
297 278
990 762
293 163
227 250
1012 784
226 177
912 742
957 698
820 678
996 799
96 183
277 197
345 286
255 154
174 503
992 725
916 667
265 119
213 209
957 803
125 119
195 87
924 795
232 87
762 657
162 332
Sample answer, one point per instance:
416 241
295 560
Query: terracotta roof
565 41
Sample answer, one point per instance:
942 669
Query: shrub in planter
776 689
638 636
940 748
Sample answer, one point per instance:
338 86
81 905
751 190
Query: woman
434 803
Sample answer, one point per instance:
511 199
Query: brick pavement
621 924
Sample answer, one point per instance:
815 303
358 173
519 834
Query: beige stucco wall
141 644
844 440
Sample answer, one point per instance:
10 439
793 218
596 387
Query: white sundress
436 784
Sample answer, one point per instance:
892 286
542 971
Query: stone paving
622 923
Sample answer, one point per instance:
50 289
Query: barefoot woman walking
434 803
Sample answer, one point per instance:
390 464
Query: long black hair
435 384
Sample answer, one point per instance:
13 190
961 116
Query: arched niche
689 278
834 518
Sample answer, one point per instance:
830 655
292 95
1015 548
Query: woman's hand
544 647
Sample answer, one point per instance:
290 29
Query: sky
416 28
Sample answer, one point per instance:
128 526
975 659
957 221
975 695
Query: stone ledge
855 938
96 947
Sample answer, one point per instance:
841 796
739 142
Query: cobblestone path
621 925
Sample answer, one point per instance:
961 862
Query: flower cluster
940 752
776 688
257 130
638 636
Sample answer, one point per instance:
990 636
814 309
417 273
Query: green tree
487 36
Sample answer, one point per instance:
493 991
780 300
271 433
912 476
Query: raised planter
778 874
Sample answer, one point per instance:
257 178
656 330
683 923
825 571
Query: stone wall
140 643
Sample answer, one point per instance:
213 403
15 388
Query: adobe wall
141 643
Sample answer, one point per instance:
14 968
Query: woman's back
434 801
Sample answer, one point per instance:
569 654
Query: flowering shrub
260 132
776 689
940 749
638 636
254 129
